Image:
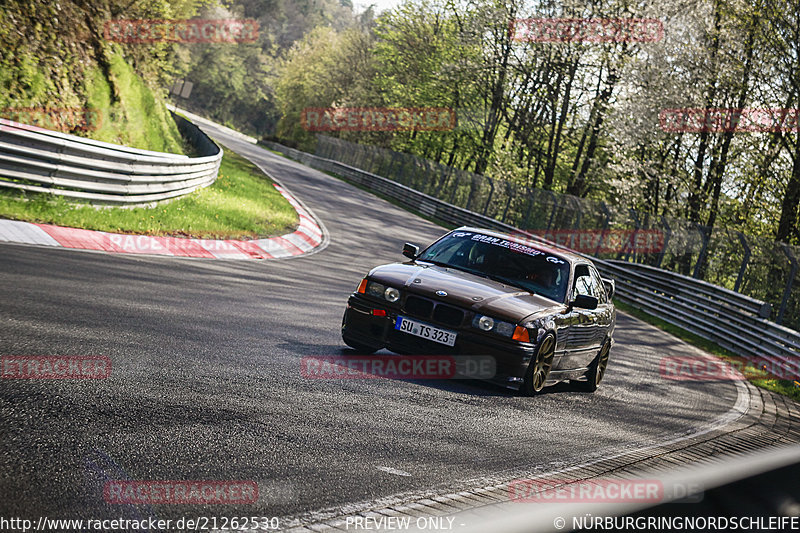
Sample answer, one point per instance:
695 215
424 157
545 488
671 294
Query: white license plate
432 333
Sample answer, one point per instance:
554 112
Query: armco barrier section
728 318
39 160
708 312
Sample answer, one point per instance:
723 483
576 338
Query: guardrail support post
788 290
553 212
390 172
629 246
511 195
578 218
526 224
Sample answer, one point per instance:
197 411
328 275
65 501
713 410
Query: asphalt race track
206 380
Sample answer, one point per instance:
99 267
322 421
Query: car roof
534 241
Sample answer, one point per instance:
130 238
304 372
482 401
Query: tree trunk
788 223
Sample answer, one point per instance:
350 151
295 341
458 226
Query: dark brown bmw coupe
545 316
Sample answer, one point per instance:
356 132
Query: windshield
509 261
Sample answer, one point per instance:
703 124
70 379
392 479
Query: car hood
465 290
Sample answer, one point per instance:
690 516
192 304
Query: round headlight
486 323
375 289
391 294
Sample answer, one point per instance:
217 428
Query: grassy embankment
242 203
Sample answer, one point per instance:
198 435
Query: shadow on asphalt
470 387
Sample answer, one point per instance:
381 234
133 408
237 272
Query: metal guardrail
728 318
711 313
197 119
721 295
39 160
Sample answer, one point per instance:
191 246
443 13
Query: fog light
486 323
379 312
391 294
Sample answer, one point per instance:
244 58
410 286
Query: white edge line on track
739 409
326 238
393 471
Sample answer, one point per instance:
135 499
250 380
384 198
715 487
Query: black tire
597 369
539 367
362 349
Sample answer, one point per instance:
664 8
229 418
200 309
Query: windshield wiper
480 273
462 269
511 282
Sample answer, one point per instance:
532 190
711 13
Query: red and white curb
308 237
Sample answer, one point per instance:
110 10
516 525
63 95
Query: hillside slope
58 72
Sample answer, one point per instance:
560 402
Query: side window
600 288
588 283
583 282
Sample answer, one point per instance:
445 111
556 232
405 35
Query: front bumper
361 326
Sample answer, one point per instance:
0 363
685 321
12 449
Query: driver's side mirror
410 250
610 286
584 301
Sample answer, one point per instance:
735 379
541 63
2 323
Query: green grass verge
242 203
785 387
